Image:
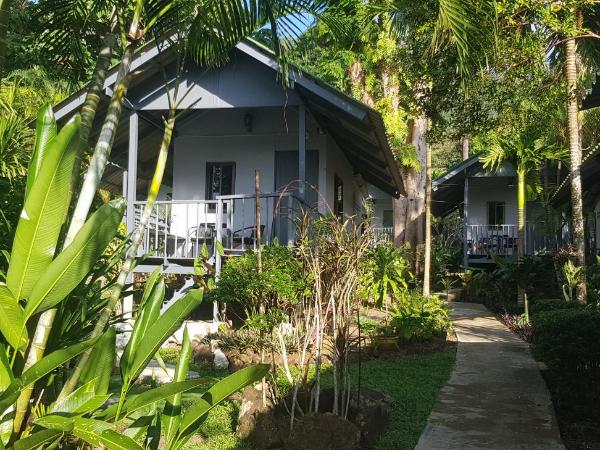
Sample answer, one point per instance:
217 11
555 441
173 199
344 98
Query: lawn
413 381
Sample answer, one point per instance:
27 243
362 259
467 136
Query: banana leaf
12 320
75 262
44 212
45 131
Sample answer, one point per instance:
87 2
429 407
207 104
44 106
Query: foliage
446 246
420 319
571 277
280 284
248 338
568 339
592 276
518 324
552 304
385 273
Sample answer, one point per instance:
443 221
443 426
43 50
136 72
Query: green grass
413 381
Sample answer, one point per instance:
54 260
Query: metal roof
355 127
448 190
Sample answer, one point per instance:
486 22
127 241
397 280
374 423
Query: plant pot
385 342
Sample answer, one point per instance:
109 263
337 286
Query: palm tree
527 152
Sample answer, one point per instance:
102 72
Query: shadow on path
496 397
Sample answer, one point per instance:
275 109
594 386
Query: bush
279 285
385 273
552 304
568 339
421 319
592 274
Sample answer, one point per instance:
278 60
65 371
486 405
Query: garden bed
412 377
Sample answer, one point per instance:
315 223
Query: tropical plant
420 318
526 152
571 277
385 273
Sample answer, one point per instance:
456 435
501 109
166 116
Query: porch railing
178 229
383 235
502 240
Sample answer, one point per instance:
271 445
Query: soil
576 400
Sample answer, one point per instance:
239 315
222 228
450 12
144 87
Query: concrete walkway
496 397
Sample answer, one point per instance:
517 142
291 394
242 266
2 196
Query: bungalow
487 202
314 148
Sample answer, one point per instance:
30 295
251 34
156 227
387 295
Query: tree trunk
427 253
521 217
575 157
409 211
466 145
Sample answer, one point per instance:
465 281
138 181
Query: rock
238 360
323 432
220 360
264 427
201 352
371 415
154 373
197 329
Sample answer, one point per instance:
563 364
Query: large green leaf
40 369
101 362
6 374
152 299
99 433
219 392
45 131
75 262
136 402
81 401
36 440
44 213
161 329
171 417
12 320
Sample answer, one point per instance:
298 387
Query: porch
178 229
484 242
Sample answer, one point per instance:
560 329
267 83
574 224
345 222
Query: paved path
496 397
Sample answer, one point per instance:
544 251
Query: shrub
552 304
420 319
568 339
279 285
592 275
385 273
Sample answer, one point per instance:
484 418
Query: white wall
382 201
488 189
337 164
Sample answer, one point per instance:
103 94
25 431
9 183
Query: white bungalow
487 202
238 119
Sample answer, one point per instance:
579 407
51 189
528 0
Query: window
220 179
388 218
338 196
495 212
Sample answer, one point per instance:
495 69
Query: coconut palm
526 152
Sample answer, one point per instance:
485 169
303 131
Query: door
286 172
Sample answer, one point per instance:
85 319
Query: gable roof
448 190
356 128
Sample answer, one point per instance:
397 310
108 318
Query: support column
465 222
131 186
301 149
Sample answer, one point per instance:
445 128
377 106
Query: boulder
264 427
370 412
201 352
220 360
323 432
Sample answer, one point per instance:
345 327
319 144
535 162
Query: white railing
502 240
178 229
383 235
